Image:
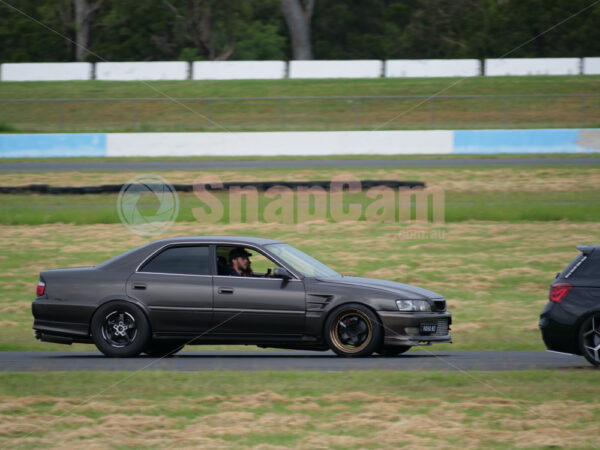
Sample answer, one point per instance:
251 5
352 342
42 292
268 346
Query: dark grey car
173 292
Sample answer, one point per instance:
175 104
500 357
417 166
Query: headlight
413 305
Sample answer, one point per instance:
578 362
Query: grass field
270 410
301 114
508 230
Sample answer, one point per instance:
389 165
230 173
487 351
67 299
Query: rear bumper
559 330
50 325
402 329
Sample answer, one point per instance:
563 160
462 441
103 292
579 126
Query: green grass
255 115
360 409
577 206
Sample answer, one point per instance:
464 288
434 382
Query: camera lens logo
148 205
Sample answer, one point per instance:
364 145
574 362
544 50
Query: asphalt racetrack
141 166
190 361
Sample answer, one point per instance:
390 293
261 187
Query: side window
193 260
259 265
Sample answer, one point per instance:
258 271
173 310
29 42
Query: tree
298 17
84 13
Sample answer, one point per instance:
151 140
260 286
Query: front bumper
402 328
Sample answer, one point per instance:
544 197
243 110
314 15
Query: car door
255 306
176 285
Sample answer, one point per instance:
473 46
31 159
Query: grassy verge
370 409
507 232
299 114
495 275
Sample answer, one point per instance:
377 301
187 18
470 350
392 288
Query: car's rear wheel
353 330
589 339
163 349
394 351
120 329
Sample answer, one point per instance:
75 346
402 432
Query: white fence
432 68
152 70
360 68
533 66
46 71
591 66
240 70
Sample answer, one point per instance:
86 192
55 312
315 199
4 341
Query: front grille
442 327
440 305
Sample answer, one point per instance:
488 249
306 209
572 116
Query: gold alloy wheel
351 331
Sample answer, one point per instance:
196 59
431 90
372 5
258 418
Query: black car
570 322
232 290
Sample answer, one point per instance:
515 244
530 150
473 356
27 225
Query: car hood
399 290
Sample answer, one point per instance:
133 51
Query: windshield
301 262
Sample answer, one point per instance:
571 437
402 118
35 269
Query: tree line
134 30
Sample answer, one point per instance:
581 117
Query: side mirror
280 272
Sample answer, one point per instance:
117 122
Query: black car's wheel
394 351
353 330
589 339
163 349
120 329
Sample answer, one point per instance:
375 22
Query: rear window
583 266
193 260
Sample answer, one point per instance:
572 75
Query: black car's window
193 260
584 266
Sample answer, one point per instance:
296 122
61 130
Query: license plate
428 328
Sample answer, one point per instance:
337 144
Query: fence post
583 111
356 113
505 110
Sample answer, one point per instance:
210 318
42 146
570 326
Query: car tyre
120 329
353 330
394 351
589 339
163 349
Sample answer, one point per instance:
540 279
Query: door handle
139 286
225 290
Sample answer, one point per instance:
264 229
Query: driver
241 266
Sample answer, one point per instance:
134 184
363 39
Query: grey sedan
232 290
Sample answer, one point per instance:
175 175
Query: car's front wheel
120 329
589 339
353 330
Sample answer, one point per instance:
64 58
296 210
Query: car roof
251 240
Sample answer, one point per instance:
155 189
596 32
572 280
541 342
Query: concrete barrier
591 66
305 143
279 143
532 66
238 70
362 68
151 70
46 71
526 141
52 145
432 68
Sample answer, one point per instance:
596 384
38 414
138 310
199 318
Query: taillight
558 291
41 288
